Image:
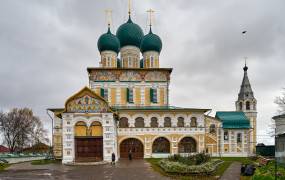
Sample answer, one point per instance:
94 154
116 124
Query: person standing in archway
113 158
130 155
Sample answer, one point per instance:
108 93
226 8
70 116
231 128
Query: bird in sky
244 32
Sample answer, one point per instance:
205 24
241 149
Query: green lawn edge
44 161
3 166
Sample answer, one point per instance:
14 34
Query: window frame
130 95
226 135
153 95
239 137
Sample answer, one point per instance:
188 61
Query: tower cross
150 13
245 67
245 58
129 7
108 13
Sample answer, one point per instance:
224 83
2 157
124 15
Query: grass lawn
3 166
43 161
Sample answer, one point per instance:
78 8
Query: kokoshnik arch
125 109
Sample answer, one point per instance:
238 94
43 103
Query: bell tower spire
246 102
245 92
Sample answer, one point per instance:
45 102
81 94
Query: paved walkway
233 172
123 170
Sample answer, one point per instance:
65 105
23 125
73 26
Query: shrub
195 159
176 167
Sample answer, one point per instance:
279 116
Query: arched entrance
132 145
88 142
161 145
187 145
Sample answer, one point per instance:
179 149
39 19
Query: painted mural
103 76
130 76
155 76
86 104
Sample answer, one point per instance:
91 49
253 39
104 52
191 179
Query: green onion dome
151 42
108 42
130 33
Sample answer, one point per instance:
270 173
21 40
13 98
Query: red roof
3 149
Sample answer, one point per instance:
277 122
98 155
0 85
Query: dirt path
233 172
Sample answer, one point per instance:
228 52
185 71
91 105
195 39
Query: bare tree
280 101
20 129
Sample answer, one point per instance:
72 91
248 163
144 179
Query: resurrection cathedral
125 109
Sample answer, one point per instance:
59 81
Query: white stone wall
57 137
141 85
108 59
109 133
151 56
132 53
234 149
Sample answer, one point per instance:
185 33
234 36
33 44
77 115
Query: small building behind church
280 138
125 109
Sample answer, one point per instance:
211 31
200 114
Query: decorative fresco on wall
155 76
86 101
103 76
130 76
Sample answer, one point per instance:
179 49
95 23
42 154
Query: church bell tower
246 102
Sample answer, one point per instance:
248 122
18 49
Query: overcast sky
46 46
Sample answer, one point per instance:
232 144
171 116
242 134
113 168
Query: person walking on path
130 155
113 159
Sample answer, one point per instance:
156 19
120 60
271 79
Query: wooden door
133 145
89 149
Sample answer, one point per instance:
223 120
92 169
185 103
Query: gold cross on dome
108 13
129 7
150 12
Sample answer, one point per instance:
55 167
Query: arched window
153 122
151 61
239 138
187 145
161 145
247 105
193 122
180 122
104 61
213 128
96 129
130 64
109 62
123 122
80 129
167 122
240 106
139 122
